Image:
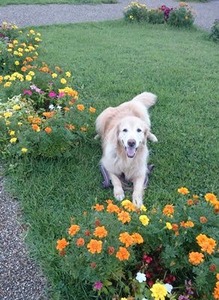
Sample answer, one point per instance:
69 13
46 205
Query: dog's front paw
137 199
119 194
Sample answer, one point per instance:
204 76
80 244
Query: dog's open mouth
130 151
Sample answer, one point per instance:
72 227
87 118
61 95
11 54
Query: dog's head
132 134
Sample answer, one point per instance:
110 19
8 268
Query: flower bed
43 114
121 252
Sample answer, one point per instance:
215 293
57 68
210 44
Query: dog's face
132 133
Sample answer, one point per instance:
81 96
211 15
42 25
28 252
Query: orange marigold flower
124 217
217 276
48 114
94 246
183 191
112 208
126 239
195 258
61 244
100 232
190 202
73 229
207 244
35 127
216 291
83 128
175 227
122 254
87 232
80 107
137 238
203 219
70 127
168 210
92 110
128 205
66 108
80 242
98 207
210 197
187 224
48 130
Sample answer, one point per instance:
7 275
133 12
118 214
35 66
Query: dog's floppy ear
152 137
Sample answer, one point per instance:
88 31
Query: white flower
169 287
51 107
140 277
144 299
58 107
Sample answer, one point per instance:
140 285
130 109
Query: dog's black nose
131 143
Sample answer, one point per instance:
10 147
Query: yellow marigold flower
16 63
73 229
126 239
195 258
94 246
16 107
137 238
168 210
92 110
48 130
183 191
32 31
143 208
100 232
54 75
63 80
61 244
80 107
144 220
128 205
169 225
83 128
159 291
98 207
12 132
7 84
28 77
68 74
31 73
24 150
13 140
122 254
124 217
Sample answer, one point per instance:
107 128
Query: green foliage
181 17
156 16
129 243
136 12
214 35
42 116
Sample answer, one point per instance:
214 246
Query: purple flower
52 94
98 285
27 92
35 88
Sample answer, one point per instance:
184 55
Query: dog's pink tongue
130 151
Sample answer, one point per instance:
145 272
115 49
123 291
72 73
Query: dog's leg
138 191
117 187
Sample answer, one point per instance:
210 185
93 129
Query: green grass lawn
112 62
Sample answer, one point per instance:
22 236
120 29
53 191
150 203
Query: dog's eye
139 130
125 130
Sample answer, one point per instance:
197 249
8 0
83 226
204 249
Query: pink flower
52 94
27 92
98 285
61 95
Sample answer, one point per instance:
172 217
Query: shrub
43 114
167 252
214 35
181 17
136 12
155 16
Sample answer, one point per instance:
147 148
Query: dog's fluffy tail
148 99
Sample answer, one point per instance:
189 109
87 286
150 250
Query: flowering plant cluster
180 17
116 251
43 114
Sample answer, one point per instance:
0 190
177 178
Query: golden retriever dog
124 131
